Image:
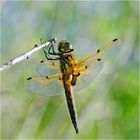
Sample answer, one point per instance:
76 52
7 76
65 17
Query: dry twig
25 55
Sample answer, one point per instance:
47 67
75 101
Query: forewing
108 51
44 86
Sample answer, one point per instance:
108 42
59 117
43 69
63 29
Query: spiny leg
48 56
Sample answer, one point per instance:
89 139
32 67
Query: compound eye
70 46
67 44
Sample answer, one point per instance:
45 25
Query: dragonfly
61 74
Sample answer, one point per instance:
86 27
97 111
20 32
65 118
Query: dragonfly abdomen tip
76 128
77 131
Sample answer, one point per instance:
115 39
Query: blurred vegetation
109 107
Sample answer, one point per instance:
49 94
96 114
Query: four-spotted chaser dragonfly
66 75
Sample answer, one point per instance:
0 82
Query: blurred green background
109 107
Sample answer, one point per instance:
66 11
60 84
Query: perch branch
25 55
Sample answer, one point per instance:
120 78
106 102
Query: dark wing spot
99 59
98 51
41 61
47 77
86 67
29 78
115 39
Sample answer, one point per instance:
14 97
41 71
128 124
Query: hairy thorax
67 64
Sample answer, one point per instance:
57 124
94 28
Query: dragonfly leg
48 56
57 53
53 52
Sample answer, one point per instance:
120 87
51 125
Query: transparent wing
88 72
52 85
110 50
91 66
45 85
107 51
47 67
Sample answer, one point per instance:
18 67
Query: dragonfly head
64 47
